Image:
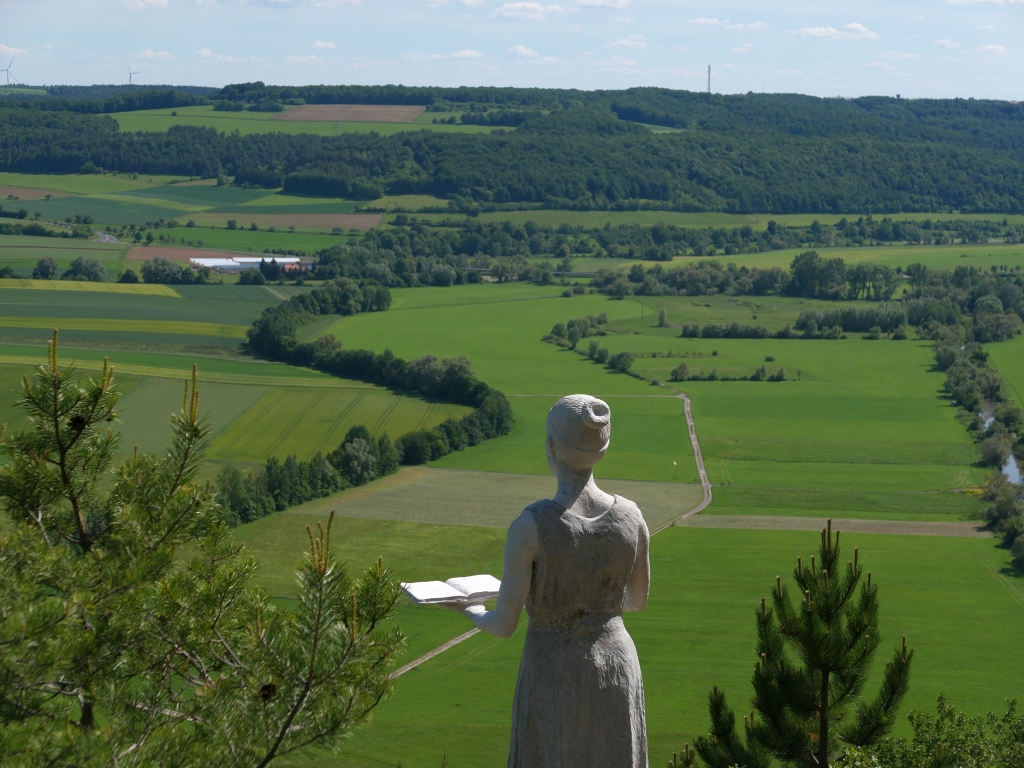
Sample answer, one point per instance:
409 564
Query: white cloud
978 2
993 48
522 50
206 53
472 3
632 41
302 59
603 3
526 11
713 22
849 32
137 5
12 51
947 44
745 48
149 53
323 45
900 55
465 53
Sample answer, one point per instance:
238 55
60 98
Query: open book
464 589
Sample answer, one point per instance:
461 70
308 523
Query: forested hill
766 153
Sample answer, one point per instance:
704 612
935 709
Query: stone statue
576 562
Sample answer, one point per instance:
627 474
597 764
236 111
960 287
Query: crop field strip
303 421
130 326
357 113
159 120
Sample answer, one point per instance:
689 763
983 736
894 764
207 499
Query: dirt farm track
352 113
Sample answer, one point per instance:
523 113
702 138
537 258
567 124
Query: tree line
277 485
273 335
575 158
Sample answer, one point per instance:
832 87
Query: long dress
579 699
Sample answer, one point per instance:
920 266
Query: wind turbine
130 73
8 71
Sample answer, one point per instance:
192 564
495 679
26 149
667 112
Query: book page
483 586
433 592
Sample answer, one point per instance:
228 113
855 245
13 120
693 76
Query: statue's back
579 699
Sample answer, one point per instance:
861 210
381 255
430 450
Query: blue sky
912 47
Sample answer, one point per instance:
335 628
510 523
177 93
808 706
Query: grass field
862 418
297 421
302 221
1008 358
935 257
859 430
83 184
263 122
695 633
594 219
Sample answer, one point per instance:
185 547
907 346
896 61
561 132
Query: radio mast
709 79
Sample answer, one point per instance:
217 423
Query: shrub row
682 373
273 335
278 485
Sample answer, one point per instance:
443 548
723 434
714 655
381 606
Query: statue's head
579 428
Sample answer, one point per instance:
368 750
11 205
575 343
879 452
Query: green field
696 632
1008 358
860 429
262 122
933 256
595 219
862 416
85 184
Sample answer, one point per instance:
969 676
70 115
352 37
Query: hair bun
582 423
596 414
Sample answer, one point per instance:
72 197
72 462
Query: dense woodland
755 153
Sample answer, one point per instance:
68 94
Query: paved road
106 238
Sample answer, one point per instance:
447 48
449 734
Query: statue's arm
521 550
639 584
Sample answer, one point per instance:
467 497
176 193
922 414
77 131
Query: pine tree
801 707
130 631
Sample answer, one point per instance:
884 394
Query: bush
621 362
996 450
85 270
680 373
779 375
165 271
251 276
128 276
422 446
46 268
